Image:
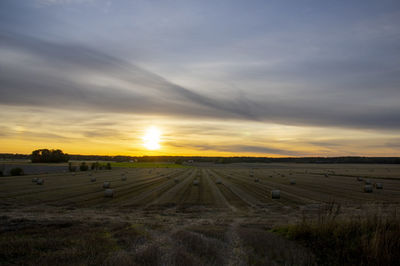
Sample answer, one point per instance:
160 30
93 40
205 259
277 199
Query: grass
370 240
146 165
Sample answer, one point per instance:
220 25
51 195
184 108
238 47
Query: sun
151 140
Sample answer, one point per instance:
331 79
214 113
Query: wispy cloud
67 76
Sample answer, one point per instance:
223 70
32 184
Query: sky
214 77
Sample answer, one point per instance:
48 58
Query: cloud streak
64 76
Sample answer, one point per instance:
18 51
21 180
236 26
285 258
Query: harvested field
206 224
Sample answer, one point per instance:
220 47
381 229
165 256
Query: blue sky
327 68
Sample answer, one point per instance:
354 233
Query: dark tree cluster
49 156
17 171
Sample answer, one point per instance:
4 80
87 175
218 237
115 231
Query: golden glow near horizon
108 134
151 140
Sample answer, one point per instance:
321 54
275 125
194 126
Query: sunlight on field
147 165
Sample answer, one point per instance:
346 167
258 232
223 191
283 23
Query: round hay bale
39 181
360 179
218 181
176 180
293 182
256 180
276 194
34 180
93 179
123 178
106 184
379 186
368 188
196 182
368 182
251 175
108 193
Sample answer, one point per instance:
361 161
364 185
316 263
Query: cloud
265 150
42 73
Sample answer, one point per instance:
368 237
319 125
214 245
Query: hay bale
256 180
251 175
293 182
39 181
379 186
123 178
196 182
106 184
368 188
34 180
326 175
368 182
276 194
218 181
176 180
360 179
108 193
93 179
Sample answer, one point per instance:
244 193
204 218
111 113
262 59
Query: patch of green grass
146 165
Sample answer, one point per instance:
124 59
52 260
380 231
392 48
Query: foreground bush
16 171
372 240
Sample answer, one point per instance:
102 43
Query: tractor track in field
167 198
48 188
239 192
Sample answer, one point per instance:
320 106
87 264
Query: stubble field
158 216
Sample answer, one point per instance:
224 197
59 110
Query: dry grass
369 240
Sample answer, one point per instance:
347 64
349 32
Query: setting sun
152 138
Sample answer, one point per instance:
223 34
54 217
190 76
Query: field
157 216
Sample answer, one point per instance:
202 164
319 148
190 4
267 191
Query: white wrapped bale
39 181
368 188
276 194
108 193
106 184
379 186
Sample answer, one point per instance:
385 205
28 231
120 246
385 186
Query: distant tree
95 166
49 156
71 168
16 171
179 161
83 167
